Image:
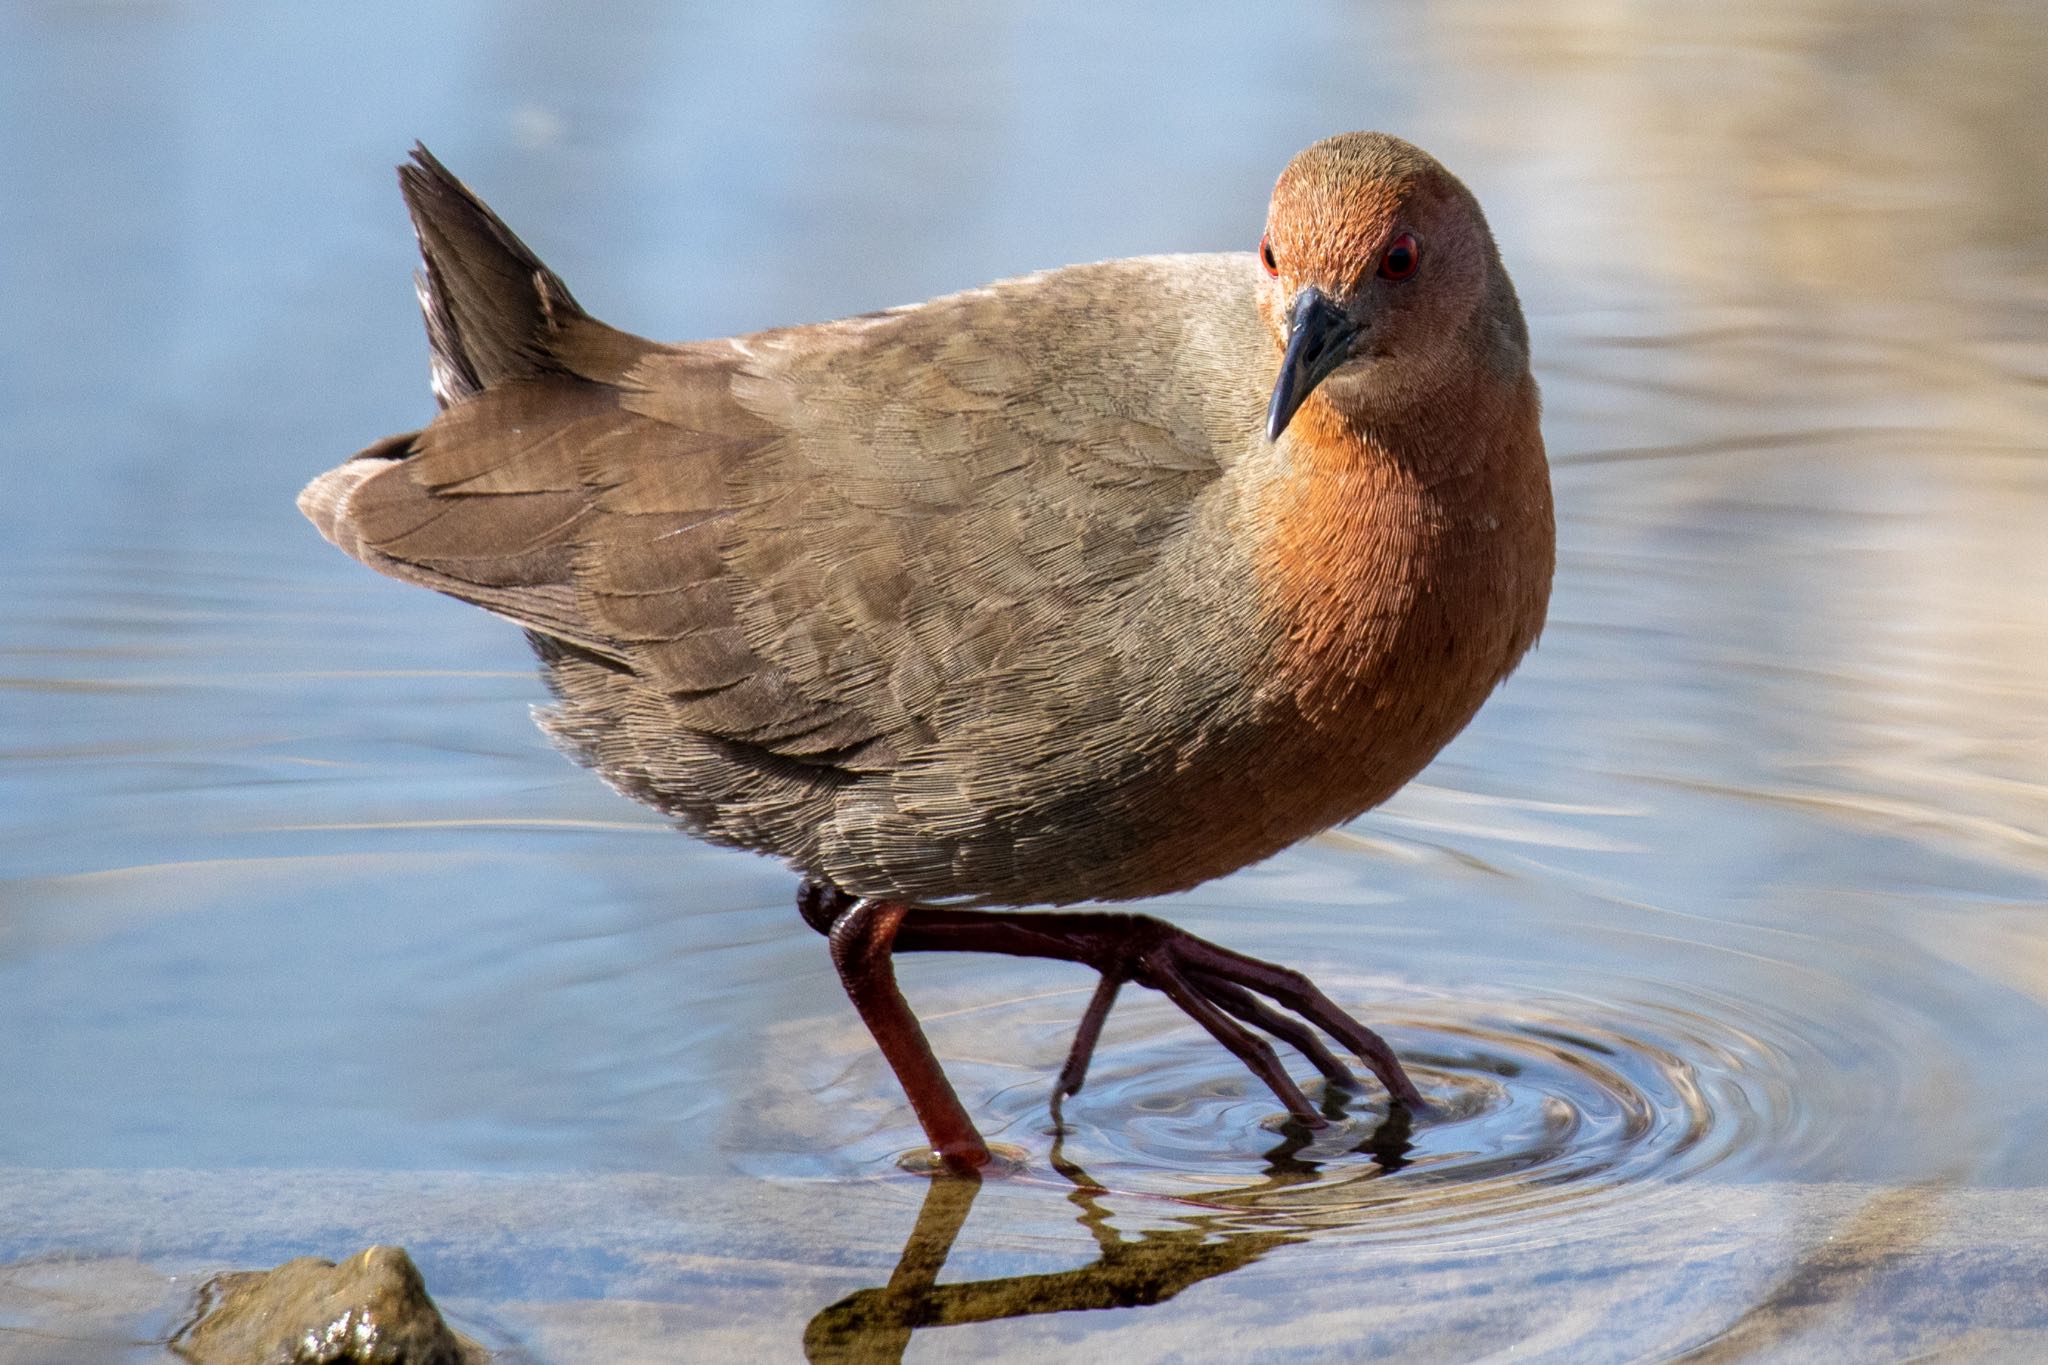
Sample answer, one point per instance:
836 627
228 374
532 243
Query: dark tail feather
492 309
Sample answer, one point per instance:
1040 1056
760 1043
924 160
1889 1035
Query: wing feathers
816 545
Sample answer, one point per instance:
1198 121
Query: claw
1214 986
1298 993
1296 1035
1219 989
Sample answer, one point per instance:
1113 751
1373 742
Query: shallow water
1721 938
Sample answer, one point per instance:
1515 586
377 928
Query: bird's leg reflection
1151 1267
875 1324
1388 1145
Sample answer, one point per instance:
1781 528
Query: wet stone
371 1309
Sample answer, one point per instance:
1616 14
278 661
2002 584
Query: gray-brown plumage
1006 598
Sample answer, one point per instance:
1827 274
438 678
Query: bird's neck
1414 547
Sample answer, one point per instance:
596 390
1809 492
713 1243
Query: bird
1085 586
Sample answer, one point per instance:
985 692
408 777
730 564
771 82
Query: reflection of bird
1089 585
1128 1272
874 1325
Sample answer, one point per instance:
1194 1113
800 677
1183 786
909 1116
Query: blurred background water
1723 933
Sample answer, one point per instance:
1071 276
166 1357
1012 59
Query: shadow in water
876 1324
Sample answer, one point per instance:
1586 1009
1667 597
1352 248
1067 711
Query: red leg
863 941
1085 1037
1216 987
1209 982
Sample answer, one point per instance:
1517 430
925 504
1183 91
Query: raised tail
516 364
493 311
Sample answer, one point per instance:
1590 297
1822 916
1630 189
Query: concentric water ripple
1539 1107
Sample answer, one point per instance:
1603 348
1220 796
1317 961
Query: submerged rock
371 1309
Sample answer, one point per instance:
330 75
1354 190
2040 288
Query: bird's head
1380 275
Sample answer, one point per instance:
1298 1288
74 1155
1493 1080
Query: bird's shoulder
1142 360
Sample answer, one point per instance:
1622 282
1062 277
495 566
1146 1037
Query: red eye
1404 254
1266 256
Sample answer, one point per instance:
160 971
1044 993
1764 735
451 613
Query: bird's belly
1164 797
1301 770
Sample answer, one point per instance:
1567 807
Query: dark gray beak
1319 337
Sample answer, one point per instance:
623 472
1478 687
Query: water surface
1721 937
